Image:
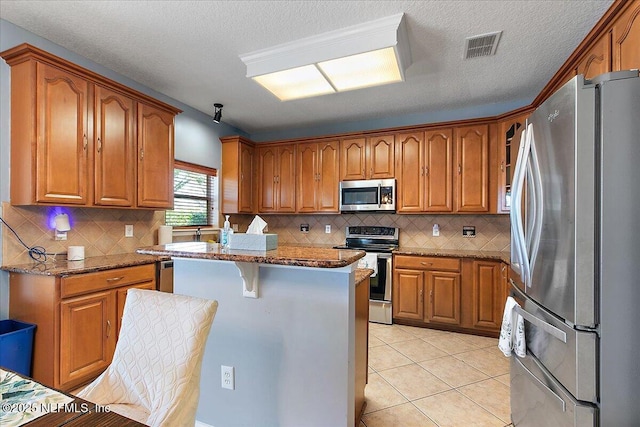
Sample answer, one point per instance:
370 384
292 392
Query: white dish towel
512 331
369 261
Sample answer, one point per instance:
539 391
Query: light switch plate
128 230
327 228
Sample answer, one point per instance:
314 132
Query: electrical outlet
468 231
436 230
304 228
228 377
235 228
128 230
327 228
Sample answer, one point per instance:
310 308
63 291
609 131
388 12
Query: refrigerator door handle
543 386
547 327
516 216
535 182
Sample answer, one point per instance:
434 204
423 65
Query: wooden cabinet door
488 295
380 158
408 291
286 180
245 187
442 297
307 177
121 298
410 172
87 336
114 148
62 142
597 60
268 172
509 134
155 157
472 175
438 171
328 177
352 159
626 39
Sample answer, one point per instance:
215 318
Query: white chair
154 377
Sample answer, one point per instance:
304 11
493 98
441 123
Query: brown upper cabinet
74 137
115 151
318 176
155 157
598 59
424 165
367 158
276 178
472 168
238 165
625 34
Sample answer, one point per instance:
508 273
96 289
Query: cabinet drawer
83 283
427 263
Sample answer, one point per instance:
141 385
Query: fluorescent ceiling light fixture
364 55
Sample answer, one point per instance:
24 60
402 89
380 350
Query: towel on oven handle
369 261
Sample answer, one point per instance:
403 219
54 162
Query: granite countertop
88 265
283 255
460 253
362 274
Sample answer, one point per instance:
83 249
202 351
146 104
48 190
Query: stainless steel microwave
368 195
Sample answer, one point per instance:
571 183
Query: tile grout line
477 347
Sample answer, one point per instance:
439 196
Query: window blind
195 197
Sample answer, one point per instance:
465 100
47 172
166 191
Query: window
195 199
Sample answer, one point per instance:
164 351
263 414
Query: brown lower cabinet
461 294
362 345
77 317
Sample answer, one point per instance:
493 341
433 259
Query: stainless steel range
378 243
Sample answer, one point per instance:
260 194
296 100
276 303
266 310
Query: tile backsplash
492 231
100 231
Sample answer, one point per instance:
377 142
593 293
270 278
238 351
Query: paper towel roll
165 234
75 253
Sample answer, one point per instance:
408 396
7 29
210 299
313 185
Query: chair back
158 356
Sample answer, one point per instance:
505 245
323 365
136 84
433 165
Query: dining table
26 402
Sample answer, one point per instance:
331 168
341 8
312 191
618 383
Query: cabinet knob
426 171
108 328
459 169
141 153
428 264
502 166
99 144
84 142
115 279
431 296
422 171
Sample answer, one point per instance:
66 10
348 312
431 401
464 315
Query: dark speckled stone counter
362 274
298 256
459 253
89 265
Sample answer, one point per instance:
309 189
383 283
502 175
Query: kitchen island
286 323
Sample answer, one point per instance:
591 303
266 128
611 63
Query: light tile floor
423 377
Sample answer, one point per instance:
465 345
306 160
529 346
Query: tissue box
253 242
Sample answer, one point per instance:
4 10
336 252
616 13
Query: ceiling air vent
482 45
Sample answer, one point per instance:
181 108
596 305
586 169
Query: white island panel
292 348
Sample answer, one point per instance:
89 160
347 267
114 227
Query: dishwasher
164 275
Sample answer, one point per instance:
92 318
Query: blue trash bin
16 345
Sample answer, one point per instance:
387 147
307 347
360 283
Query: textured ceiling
189 50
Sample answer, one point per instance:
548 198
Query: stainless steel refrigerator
575 257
